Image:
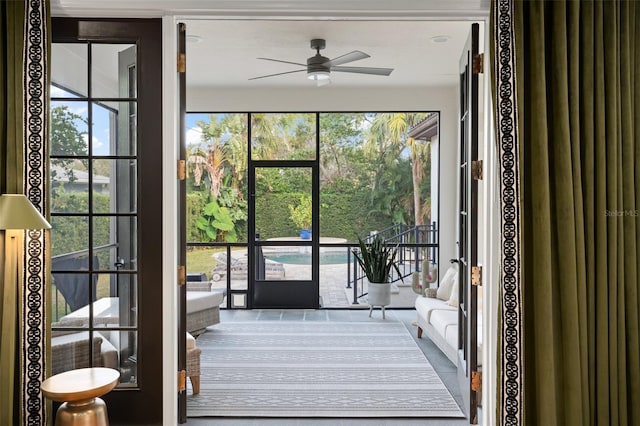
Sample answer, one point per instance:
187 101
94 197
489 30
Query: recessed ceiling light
191 38
440 39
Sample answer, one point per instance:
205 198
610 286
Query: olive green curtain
577 74
24 269
11 181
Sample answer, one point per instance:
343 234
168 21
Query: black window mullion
90 199
251 244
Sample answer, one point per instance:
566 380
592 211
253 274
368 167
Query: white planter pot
379 294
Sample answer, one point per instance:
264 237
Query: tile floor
445 369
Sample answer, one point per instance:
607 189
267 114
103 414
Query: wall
443 99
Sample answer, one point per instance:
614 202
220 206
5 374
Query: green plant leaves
215 221
223 226
301 214
376 259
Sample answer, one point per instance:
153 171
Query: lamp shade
17 212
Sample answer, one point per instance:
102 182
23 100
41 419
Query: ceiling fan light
318 75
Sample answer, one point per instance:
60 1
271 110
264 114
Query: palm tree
266 142
235 146
389 134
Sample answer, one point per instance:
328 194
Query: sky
193 131
100 130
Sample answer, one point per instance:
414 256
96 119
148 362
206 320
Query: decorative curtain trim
511 372
34 331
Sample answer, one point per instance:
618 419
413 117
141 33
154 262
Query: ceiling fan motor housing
317 64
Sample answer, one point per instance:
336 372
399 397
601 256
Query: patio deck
333 285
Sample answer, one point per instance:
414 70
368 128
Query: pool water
295 258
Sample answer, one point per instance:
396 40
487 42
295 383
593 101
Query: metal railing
414 245
71 266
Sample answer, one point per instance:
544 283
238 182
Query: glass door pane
283 204
285 250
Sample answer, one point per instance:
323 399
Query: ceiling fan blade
284 62
273 75
364 70
356 55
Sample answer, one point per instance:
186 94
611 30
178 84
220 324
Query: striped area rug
316 369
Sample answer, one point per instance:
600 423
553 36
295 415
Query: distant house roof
425 129
80 176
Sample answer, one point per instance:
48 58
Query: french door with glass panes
469 173
106 200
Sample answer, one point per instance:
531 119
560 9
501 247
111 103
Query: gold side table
80 391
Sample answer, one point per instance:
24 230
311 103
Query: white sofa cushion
442 320
451 336
426 305
201 300
446 283
454 297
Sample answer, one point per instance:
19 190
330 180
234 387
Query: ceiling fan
319 67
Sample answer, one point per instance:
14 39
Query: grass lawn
201 260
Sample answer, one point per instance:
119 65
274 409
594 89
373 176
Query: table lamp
17 212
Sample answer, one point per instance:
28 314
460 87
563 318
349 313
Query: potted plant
377 260
301 216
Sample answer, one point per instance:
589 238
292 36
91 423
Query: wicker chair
193 363
71 351
203 306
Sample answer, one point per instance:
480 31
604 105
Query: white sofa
439 321
437 317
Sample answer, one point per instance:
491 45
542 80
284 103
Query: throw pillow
455 293
446 283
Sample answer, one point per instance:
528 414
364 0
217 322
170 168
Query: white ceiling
397 34
225 53
404 9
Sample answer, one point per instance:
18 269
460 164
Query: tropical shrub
301 214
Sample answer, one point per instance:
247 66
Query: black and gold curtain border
510 369
34 296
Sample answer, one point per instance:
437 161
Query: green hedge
195 207
343 215
273 216
71 233
348 216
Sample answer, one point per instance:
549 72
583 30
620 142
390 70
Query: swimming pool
297 258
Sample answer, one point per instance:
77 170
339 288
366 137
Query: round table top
80 384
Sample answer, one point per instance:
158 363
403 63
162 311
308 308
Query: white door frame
489 230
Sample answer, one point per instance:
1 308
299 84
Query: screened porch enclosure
255 210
